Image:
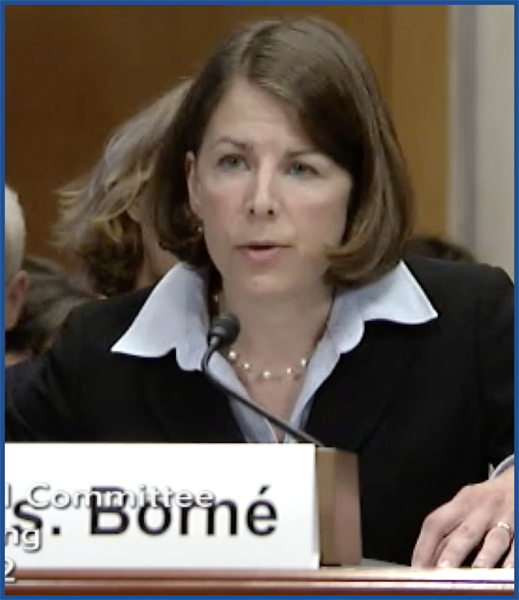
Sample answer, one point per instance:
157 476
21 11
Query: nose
261 201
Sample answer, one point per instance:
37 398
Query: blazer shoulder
458 282
106 320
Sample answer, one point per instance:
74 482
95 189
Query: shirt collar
175 314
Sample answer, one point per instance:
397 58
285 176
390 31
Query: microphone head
224 330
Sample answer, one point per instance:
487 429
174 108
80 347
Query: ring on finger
507 527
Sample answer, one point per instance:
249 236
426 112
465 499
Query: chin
269 285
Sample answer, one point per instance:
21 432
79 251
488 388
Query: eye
301 169
231 162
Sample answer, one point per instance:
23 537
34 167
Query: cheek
338 224
218 204
323 222
336 213
217 216
212 212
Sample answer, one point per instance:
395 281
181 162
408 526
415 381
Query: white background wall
482 103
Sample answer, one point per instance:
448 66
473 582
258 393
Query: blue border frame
2 171
102 3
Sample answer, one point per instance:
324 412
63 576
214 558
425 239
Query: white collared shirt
175 317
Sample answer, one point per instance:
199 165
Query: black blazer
427 407
16 375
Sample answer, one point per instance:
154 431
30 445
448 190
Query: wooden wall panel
418 95
73 73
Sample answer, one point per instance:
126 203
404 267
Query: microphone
223 332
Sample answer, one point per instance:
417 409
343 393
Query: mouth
262 252
262 245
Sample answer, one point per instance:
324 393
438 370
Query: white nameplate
200 506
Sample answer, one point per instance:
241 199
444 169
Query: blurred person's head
103 219
284 145
51 296
431 246
15 277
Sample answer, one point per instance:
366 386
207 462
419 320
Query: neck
145 275
278 331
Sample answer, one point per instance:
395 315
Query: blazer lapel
188 408
346 410
353 401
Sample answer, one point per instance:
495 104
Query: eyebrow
228 140
246 146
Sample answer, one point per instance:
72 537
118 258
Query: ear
192 184
15 296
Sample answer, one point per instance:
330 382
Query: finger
439 549
435 529
497 541
509 560
462 541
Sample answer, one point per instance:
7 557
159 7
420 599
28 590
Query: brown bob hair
320 72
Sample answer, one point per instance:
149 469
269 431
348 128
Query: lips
261 252
267 245
260 247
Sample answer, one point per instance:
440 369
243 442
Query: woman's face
269 201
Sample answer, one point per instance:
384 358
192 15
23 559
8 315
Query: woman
282 188
103 221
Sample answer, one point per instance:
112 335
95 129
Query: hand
470 520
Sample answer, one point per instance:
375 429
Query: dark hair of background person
50 298
321 74
430 246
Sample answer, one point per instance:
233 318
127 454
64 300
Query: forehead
246 108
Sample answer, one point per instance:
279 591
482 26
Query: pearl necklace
267 374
